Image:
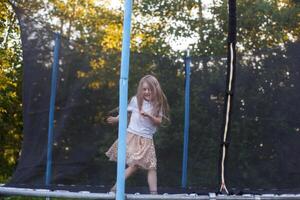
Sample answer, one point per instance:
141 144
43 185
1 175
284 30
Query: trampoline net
265 121
264 130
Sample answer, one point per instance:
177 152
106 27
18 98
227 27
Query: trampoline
237 113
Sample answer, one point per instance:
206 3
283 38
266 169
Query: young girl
148 108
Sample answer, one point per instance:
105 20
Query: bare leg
152 181
128 172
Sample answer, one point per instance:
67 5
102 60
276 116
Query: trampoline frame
11 191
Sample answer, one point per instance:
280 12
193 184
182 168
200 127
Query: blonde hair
158 98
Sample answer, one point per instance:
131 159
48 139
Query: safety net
262 145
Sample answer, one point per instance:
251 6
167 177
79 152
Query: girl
148 108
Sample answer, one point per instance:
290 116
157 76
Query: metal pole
123 90
228 100
186 120
52 108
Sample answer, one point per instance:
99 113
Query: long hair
158 98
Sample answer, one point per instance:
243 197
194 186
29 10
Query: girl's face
146 91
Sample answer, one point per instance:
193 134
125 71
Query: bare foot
113 189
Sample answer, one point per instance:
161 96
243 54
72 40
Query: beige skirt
140 151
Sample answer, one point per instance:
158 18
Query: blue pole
123 90
51 109
186 120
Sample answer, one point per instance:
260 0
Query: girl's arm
156 120
113 120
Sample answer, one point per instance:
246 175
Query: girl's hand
112 120
155 120
144 114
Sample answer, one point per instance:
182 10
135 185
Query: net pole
228 100
52 108
186 120
123 91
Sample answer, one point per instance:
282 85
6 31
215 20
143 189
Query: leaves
10 90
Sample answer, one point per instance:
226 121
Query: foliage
10 90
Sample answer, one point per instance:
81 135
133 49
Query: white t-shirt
139 124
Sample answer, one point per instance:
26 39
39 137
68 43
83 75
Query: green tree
10 90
